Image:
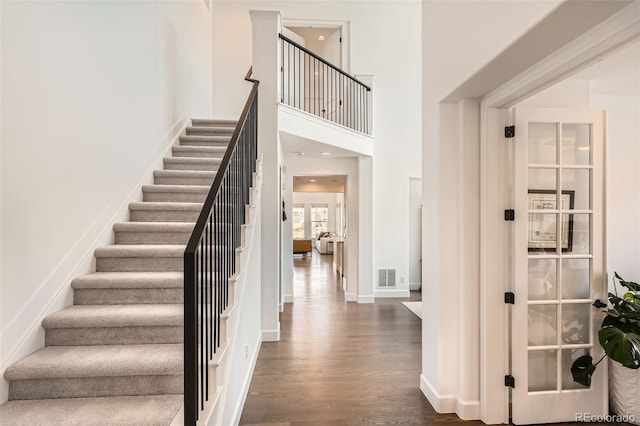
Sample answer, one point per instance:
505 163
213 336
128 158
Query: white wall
309 199
622 183
385 41
92 93
459 38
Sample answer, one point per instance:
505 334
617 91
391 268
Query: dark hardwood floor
340 363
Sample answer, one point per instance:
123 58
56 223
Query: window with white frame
298 221
319 219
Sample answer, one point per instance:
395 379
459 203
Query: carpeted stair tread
205 140
213 122
153 410
165 205
185 173
198 151
99 361
140 250
126 280
210 130
195 189
187 163
97 316
193 161
154 227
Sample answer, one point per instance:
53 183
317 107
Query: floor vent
387 277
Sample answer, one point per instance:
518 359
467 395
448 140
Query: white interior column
266 27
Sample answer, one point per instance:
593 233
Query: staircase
116 356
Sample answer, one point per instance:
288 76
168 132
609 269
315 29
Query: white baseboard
391 292
24 334
366 299
351 297
287 298
415 286
445 404
271 335
468 410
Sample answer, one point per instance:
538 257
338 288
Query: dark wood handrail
324 61
192 245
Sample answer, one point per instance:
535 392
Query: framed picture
542 227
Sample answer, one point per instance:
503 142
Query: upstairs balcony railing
314 85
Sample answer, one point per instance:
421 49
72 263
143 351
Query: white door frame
344 29
612 34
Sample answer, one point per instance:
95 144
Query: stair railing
210 258
314 85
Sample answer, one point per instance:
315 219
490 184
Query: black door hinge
509 297
340 39
509 215
510 132
509 381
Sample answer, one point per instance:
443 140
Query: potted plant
619 336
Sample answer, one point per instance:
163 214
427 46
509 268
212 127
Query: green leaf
620 342
628 284
582 370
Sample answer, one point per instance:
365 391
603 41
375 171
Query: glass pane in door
576 278
575 233
542 143
575 323
543 370
576 144
542 231
568 356
575 189
543 321
541 180
542 279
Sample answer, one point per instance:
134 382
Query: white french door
558 263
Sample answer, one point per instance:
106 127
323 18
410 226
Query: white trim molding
366 299
271 335
400 292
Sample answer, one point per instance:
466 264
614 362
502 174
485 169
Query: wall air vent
386 277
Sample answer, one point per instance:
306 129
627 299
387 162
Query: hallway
339 363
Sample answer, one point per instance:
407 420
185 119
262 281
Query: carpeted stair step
95 371
175 193
200 140
139 258
115 325
155 410
153 232
199 151
164 212
183 177
186 163
202 122
210 130
119 288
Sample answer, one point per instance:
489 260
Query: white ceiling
294 145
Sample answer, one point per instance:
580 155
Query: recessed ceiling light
325 153
312 180
321 37
300 153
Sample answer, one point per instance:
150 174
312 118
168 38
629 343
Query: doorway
555 282
319 212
